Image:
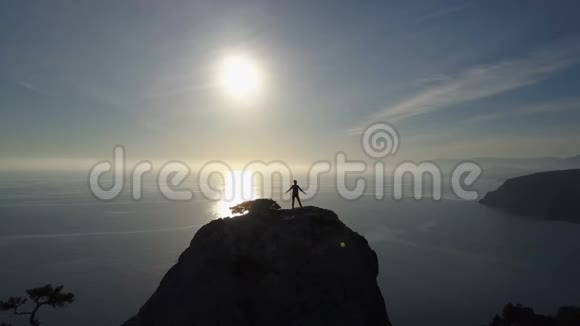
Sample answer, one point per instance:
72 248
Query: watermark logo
378 141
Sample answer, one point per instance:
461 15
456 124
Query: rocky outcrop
550 195
518 315
273 267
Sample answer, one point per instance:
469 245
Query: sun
241 77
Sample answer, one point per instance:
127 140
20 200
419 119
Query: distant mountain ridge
550 195
503 168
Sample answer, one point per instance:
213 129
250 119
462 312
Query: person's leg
293 197
299 202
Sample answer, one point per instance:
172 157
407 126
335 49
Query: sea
442 262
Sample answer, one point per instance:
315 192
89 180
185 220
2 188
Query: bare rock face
551 195
274 267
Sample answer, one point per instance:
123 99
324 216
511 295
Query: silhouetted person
295 195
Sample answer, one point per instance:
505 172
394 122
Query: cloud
483 81
558 105
443 12
30 87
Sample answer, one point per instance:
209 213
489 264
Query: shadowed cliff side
271 267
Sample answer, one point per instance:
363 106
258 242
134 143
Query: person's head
295 182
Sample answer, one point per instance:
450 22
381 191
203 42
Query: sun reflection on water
235 190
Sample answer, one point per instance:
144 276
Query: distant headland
551 195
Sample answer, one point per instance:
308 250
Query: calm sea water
441 263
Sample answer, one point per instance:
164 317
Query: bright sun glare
237 189
241 77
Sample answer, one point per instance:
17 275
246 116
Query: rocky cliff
271 267
518 315
551 195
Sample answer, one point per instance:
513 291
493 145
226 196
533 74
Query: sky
457 79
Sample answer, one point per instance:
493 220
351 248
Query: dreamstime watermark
378 141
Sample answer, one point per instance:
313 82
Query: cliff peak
271 267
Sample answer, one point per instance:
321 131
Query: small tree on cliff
42 296
255 206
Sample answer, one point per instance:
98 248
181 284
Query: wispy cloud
558 105
443 12
30 87
483 81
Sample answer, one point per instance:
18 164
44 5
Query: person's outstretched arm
301 190
288 190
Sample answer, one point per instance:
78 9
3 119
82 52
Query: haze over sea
454 261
